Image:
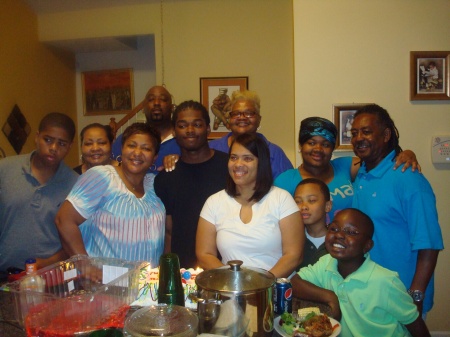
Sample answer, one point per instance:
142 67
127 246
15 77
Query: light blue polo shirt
402 206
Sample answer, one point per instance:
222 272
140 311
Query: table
9 328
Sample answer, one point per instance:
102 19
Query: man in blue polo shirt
402 205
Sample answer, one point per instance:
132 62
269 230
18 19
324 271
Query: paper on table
110 273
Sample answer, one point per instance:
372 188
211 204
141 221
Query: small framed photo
215 93
429 75
107 92
343 115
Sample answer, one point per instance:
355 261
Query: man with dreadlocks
407 235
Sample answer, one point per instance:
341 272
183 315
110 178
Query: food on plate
318 326
303 312
313 325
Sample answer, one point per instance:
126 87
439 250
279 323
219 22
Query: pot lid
235 278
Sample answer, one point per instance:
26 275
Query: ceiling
54 6
103 44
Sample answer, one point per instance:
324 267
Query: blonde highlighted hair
246 95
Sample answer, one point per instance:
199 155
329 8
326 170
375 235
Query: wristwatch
416 295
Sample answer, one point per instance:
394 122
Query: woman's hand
409 159
169 162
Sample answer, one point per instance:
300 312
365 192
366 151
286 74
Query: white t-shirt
315 241
257 243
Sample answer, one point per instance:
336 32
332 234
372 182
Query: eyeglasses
246 113
347 231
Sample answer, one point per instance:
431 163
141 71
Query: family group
360 234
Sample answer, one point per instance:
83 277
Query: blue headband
317 126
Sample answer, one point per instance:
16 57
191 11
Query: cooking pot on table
235 300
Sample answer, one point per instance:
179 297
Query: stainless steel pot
235 300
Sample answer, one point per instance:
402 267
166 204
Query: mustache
361 143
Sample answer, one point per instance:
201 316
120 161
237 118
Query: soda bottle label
30 266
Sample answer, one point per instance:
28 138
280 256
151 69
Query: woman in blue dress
114 211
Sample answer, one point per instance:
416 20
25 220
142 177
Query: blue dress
118 224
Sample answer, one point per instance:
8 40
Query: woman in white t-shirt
251 220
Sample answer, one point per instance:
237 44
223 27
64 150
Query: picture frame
16 129
215 93
429 75
107 92
343 115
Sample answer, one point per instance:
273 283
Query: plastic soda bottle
32 281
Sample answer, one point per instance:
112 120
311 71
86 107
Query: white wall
353 51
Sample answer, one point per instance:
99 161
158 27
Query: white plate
283 333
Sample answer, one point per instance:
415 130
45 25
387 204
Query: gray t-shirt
28 210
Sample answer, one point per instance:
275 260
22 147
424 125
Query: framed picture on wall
107 92
215 93
429 75
343 115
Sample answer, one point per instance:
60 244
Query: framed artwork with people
343 119
429 75
215 93
107 92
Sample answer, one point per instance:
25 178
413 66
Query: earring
153 168
119 159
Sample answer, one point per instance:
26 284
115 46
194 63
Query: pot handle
235 265
193 296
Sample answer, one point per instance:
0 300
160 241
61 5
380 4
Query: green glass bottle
170 290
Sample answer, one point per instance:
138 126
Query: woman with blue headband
317 139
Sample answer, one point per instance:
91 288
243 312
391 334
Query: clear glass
162 320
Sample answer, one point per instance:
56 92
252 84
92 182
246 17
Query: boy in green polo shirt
372 300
